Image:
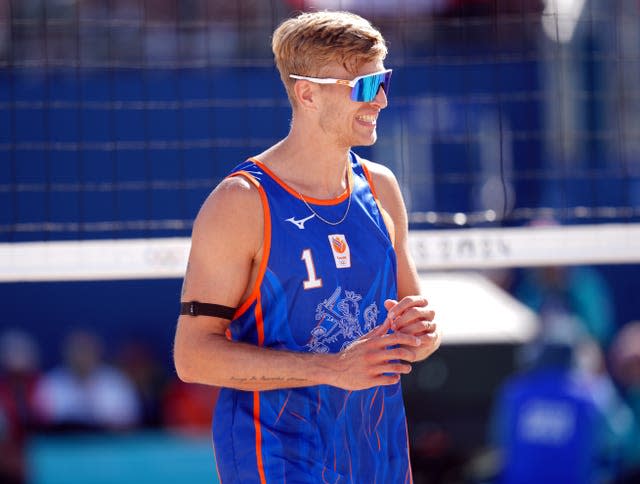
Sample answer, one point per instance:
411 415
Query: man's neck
309 165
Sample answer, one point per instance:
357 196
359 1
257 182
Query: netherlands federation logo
340 249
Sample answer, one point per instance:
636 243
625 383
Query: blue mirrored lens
367 87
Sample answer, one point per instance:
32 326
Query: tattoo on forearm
264 378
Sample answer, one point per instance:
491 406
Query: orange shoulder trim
266 243
388 222
315 201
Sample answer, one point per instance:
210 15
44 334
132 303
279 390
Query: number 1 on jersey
312 282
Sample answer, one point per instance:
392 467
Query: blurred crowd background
118 116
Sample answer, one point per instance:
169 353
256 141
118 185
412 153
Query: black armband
195 308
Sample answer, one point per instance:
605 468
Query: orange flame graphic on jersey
339 245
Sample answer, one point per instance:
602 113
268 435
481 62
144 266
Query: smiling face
345 122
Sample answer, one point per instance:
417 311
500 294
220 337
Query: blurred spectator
571 301
374 7
189 407
85 393
19 371
137 361
625 368
559 422
5 28
564 296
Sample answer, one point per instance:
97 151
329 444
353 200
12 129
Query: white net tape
432 250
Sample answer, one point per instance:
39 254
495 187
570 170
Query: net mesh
120 115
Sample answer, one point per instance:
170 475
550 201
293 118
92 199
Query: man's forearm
243 366
376 358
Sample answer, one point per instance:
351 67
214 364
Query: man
84 392
309 243
555 410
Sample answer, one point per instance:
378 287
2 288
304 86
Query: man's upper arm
226 241
390 197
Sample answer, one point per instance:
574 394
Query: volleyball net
437 250
118 118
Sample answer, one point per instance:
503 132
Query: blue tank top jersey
319 288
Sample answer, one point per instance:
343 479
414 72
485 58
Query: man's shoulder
233 211
379 172
383 179
233 193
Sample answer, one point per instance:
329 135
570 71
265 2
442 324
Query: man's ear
304 92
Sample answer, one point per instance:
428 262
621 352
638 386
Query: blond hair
304 44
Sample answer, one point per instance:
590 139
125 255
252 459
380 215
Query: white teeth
367 118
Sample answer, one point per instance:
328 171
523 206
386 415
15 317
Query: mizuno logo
300 223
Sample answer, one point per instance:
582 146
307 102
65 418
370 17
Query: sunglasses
364 89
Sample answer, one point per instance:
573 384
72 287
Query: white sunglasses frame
342 82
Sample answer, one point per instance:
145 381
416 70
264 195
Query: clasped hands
411 316
408 334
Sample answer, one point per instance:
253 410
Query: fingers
431 343
394 369
370 362
379 330
420 328
397 338
386 352
389 373
389 303
401 353
413 315
380 337
385 380
409 310
395 308
391 358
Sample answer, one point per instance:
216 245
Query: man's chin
367 142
